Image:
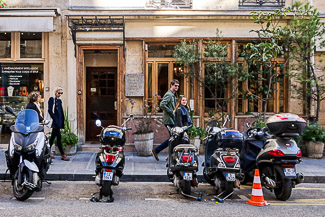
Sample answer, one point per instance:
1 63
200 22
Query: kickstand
47 182
221 200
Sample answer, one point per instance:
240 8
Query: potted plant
143 136
196 134
68 138
314 136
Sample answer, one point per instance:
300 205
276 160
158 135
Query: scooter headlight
30 147
18 147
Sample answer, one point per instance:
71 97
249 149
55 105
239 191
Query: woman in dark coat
182 116
33 104
56 112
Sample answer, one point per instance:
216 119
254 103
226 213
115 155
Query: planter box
315 149
143 144
70 150
196 142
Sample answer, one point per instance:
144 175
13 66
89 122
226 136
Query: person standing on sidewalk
167 105
56 112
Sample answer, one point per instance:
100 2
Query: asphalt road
153 199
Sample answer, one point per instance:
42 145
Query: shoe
155 154
65 158
52 157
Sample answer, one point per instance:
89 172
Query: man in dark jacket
167 105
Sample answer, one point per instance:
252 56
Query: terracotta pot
143 143
315 149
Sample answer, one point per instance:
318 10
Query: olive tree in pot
314 137
143 136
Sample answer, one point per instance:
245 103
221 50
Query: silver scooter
28 155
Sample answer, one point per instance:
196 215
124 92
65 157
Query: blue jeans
163 145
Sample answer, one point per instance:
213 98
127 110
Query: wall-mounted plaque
134 85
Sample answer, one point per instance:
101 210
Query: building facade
105 52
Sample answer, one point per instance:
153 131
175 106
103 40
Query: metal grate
262 3
166 4
95 24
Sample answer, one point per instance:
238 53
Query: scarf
185 112
38 108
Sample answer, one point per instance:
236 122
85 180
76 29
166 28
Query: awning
27 20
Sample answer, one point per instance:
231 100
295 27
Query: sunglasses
60 93
176 85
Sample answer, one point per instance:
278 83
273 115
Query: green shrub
196 131
314 132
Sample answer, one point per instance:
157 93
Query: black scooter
110 159
273 151
182 162
222 166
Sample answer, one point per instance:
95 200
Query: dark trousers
163 145
56 133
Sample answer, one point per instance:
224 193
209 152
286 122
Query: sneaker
155 154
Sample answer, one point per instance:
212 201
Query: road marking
297 204
243 197
2 208
304 188
84 198
155 199
300 200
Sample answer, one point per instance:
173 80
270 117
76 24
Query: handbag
48 117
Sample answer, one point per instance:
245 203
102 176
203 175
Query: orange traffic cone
257 198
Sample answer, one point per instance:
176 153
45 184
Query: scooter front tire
23 193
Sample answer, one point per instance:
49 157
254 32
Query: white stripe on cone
257 179
257 192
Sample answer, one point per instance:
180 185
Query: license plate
187 176
108 176
289 171
230 177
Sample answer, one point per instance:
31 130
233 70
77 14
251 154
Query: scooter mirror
98 123
131 116
207 129
10 110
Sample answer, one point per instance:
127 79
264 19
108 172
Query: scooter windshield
27 121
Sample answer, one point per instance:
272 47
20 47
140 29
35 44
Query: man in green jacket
167 104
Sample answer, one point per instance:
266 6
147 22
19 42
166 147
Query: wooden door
101 99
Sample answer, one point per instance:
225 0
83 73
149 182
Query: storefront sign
18 75
134 85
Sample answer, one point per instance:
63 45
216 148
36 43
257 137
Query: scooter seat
185 147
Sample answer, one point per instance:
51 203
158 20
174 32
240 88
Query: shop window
160 51
5 45
17 81
215 91
31 45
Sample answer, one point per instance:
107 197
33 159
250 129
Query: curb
140 178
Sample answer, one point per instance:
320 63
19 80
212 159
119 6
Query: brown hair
173 82
178 103
33 96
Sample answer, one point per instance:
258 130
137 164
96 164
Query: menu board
134 85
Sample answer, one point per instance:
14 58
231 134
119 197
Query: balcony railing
262 3
169 4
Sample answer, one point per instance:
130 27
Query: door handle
115 107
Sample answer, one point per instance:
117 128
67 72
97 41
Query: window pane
162 79
149 80
178 70
161 50
31 45
5 45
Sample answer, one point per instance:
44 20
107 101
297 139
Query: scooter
182 162
273 151
222 165
110 159
28 155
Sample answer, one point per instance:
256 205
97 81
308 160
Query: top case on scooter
113 136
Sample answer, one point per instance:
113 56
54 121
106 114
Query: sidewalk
81 167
